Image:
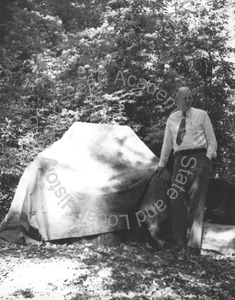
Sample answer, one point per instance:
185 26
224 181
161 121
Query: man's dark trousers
189 183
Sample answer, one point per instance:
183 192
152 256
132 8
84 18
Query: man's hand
159 171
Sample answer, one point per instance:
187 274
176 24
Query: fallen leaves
129 271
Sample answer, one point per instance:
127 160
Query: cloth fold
84 184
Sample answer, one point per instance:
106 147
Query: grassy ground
128 271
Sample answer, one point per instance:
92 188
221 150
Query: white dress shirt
199 134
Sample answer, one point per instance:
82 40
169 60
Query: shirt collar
188 113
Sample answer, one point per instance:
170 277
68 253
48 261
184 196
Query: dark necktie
182 130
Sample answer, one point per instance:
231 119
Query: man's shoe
193 251
178 247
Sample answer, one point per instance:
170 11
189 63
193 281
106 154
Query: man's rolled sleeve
210 137
167 146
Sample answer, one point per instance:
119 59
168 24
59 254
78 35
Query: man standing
190 134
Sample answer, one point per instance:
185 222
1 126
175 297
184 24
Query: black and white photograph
117 149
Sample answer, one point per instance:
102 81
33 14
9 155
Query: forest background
114 62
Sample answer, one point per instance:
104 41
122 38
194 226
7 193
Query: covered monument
87 183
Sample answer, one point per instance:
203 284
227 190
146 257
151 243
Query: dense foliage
115 62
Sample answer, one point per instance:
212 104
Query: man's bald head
182 90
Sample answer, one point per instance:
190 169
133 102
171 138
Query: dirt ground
128 271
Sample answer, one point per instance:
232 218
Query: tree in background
116 62
201 52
